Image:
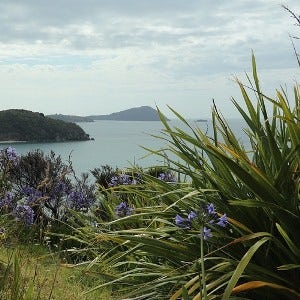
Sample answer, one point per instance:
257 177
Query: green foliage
146 256
22 125
37 192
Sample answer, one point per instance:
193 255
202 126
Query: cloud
132 52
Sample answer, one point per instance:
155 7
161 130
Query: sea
119 144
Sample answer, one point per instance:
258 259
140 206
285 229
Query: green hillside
70 118
142 113
23 125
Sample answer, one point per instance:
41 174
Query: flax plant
144 255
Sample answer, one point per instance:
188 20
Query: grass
45 274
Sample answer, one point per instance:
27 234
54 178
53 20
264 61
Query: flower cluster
122 179
6 203
123 209
25 214
9 154
31 194
78 200
208 215
167 176
60 188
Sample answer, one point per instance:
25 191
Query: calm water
117 143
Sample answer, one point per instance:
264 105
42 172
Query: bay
116 143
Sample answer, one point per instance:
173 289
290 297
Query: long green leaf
242 266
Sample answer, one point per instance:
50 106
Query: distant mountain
24 125
70 118
143 113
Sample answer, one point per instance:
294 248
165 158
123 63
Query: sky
103 56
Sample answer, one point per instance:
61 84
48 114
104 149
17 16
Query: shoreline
12 142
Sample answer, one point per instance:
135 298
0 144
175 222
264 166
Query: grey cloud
220 31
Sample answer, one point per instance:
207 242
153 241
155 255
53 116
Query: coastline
12 142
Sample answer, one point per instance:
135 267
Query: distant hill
70 118
143 113
24 125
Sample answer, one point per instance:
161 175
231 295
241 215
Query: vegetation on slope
143 113
23 125
70 118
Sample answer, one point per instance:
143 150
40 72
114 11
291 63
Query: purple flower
11 153
25 214
192 215
7 201
206 216
222 221
210 209
123 209
182 222
125 179
167 176
60 187
207 233
79 200
122 179
32 194
113 181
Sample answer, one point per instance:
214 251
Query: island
142 113
28 126
70 118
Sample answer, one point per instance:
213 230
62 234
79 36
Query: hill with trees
142 113
24 125
70 118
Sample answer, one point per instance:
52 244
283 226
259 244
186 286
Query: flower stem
202 265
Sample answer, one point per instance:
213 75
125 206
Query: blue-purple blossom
8 154
192 215
206 233
78 200
25 214
167 176
31 194
186 223
207 215
7 201
11 154
122 179
222 221
60 187
210 209
113 181
123 209
182 222
125 179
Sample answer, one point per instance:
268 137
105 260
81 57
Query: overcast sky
101 56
